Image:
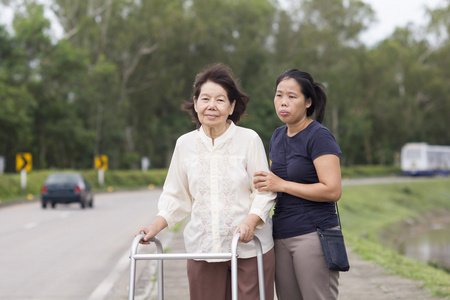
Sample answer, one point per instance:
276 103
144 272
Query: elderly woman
210 179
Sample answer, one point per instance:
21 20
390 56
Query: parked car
67 187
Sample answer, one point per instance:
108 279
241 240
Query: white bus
424 159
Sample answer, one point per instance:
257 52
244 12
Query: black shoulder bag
333 246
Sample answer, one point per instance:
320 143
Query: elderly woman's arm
174 202
262 202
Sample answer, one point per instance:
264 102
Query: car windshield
62 178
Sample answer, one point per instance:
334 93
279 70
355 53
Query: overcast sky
395 13
390 14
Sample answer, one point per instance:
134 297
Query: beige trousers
301 271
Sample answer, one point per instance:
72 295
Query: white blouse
214 185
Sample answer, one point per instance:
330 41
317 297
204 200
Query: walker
160 257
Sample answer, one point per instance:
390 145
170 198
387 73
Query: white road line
108 283
65 215
30 225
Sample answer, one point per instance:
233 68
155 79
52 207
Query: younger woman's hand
267 181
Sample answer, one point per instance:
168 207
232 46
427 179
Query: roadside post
24 162
2 165
145 163
101 164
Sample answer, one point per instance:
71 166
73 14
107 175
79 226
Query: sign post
24 164
2 165
23 179
101 164
145 163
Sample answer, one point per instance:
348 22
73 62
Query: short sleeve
323 142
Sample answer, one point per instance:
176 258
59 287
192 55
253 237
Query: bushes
361 171
10 189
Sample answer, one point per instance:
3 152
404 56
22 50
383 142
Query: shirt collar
221 139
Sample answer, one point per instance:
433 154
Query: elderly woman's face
213 106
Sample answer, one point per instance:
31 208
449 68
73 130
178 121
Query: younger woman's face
290 103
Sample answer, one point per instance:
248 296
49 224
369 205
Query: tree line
113 84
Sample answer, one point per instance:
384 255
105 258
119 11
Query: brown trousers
212 281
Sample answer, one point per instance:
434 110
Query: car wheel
82 204
44 204
91 203
53 204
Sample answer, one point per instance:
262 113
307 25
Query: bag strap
339 217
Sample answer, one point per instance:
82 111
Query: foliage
367 211
114 82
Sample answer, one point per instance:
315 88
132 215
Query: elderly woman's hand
151 231
247 228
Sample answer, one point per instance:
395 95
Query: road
69 253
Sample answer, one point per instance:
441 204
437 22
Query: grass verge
367 211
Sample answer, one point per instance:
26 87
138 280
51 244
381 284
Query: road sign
23 161
101 162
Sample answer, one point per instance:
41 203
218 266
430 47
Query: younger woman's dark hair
222 75
310 89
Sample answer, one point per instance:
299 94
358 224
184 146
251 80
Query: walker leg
234 272
259 256
132 278
133 251
160 266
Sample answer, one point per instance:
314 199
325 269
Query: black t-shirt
292 159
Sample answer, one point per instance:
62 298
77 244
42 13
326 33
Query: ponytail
320 102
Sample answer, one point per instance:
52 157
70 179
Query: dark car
66 188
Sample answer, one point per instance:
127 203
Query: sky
395 13
390 14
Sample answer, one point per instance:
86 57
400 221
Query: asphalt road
67 252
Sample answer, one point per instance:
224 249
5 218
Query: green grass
368 212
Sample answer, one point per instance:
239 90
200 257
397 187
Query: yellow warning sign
101 162
24 161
